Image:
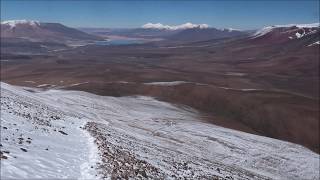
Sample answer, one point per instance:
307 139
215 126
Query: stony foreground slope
45 134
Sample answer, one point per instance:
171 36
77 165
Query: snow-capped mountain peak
268 29
42 31
13 23
177 27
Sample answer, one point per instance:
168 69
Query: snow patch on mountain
14 23
178 27
268 29
298 35
314 44
262 31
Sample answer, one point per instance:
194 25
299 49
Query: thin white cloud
178 27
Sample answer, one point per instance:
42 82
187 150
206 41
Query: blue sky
241 14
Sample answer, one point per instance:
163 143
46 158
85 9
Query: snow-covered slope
135 137
40 141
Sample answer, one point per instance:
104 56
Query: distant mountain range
55 32
178 33
23 34
43 32
201 32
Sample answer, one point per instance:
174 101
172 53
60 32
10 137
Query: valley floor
74 134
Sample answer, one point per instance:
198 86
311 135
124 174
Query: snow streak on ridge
13 23
178 27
